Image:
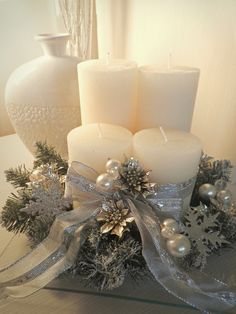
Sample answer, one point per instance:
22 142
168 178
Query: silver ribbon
59 250
169 200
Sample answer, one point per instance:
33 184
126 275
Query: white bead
224 197
112 167
114 174
171 224
178 245
113 164
167 232
207 191
104 181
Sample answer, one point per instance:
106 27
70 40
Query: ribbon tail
47 249
207 295
51 273
59 250
53 256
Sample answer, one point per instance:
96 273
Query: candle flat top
167 70
101 133
152 139
100 65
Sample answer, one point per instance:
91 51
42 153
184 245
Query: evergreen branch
104 261
46 154
39 229
18 177
12 218
210 171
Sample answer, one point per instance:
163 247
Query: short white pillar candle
172 156
108 92
94 144
166 97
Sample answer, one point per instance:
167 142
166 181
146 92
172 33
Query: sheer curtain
79 18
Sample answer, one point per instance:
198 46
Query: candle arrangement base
105 228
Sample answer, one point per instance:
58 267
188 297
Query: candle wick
169 61
163 134
108 58
100 135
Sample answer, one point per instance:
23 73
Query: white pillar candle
94 144
172 157
166 97
108 92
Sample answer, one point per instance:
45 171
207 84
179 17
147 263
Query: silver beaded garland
207 191
178 245
104 181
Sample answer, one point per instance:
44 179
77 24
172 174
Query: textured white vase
42 96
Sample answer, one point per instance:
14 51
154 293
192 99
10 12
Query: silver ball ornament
112 167
207 191
172 224
224 197
178 245
104 181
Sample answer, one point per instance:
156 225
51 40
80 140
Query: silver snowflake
47 197
203 230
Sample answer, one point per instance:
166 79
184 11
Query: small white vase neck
53 44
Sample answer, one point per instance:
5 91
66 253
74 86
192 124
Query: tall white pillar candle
94 144
172 157
108 92
166 97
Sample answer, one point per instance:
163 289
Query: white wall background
20 20
199 33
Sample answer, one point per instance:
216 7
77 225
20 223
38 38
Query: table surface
66 295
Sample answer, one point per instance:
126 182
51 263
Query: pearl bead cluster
177 244
219 191
105 180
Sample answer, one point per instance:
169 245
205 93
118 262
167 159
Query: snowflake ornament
47 197
203 230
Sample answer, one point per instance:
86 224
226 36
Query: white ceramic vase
42 96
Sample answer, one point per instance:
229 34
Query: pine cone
133 177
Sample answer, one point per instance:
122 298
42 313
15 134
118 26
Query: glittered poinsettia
115 216
134 178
